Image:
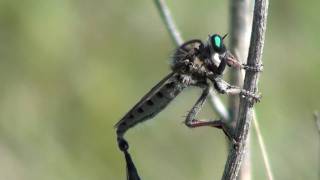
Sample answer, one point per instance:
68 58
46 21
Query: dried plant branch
317 121
263 148
240 29
169 22
250 83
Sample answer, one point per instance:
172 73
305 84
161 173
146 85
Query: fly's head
219 54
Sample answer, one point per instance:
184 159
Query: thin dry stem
240 29
169 22
262 147
317 121
235 156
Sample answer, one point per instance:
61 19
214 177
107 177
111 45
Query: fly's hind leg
192 122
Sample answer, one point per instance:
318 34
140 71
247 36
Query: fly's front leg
254 68
225 88
191 122
234 62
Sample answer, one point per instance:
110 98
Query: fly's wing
185 52
152 103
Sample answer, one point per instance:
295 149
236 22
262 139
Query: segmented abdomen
152 103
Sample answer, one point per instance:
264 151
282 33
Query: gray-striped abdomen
152 103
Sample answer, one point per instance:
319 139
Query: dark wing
152 103
186 51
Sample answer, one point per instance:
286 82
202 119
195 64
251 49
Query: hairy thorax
188 62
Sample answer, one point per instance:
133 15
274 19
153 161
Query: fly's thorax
198 63
199 67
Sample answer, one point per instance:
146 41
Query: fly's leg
225 88
254 68
233 62
192 122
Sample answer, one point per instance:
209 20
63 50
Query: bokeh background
70 69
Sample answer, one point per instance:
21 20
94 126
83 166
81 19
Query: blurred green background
70 69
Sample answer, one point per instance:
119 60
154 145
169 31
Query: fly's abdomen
152 103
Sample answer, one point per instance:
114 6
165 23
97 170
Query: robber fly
194 63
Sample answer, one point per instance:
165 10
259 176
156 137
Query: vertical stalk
240 29
236 155
317 121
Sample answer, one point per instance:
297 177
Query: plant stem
169 22
262 146
240 29
317 121
235 156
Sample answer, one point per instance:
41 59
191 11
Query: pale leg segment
225 88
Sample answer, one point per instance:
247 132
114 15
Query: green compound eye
217 41
217 44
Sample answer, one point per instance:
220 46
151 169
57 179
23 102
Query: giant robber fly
196 64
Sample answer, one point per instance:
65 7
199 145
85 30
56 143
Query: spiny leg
254 68
225 88
191 122
233 62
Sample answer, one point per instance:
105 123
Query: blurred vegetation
70 69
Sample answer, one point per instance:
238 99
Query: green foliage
70 69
